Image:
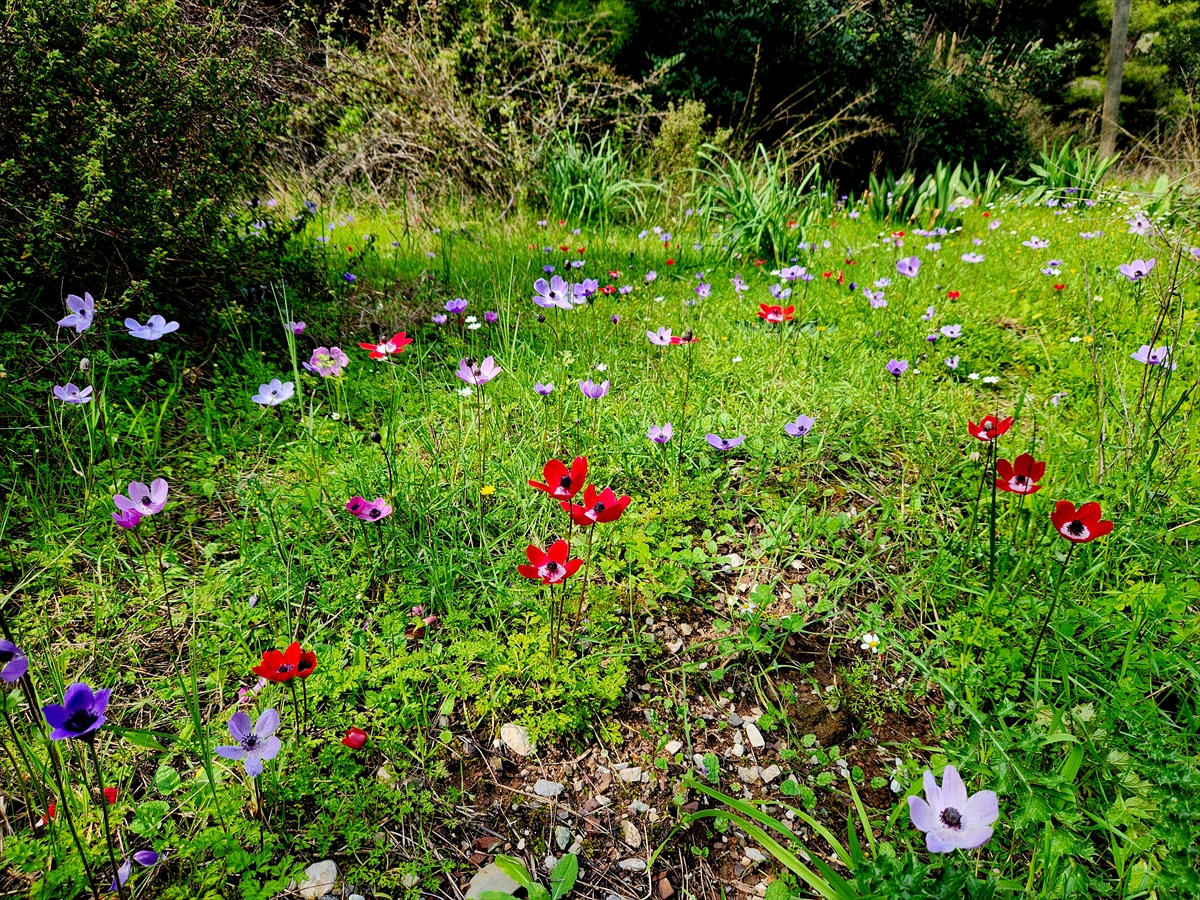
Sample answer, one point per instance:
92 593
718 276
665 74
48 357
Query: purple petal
231 752
267 724
240 727
56 716
936 842
981 809
954 792
253 763
922 816
933 793
145 857
973 836
78 697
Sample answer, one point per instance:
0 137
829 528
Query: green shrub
126 130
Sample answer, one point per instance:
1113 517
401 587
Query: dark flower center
80 721
250 742
725 442
565 481
1077 528
374 513
146 500
1021 480
988 426
598 508
6 657
284 668
951 817
552 566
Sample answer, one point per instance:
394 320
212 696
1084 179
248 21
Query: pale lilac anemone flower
256 741
972 257
155 328
327 361
661 435
145 501
1154 356
478 373
556 293
83 312
594 391
950 819
1138 269
908 266
721 443
897 367
660 338
802 426
274 393
69 393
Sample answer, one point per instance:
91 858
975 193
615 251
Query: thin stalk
587 569
992 524
1037 645
112 856
56 765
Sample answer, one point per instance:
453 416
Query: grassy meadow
782 632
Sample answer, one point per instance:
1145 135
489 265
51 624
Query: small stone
545 788
736 561
675 646
384 776
630 834
516 738
633 864
490 878
618 767
755 855
631 774
409 881
665 889
734 719
577 847
674 747
550 862
737 750
406 884
685 629
562 836
319 879
754 736
748 774
770 773
637 807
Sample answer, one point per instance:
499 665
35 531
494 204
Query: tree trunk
1116 71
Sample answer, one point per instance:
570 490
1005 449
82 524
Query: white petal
954 792
923 817
933 793
935 842
972 837
981 809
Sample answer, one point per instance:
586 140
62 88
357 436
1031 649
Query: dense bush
126 131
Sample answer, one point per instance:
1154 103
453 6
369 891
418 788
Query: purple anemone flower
951 362
883 282
660 338
83 312
951 331
908 266
585 289
69 393
875 297
1139 224
651 276
327 361
615 319
721 443
791 273
13 663
274 393
555 293
256 741
972 257
478 373
1137 270
369 510
80 714
544 389
929 314
456 306
491 317
1154 356
155 328
296 327
1036 243
738 284
439 318
127 518
145 501
802 426
594 391
950 819
350 277
145 858
779 292
661 435
897 367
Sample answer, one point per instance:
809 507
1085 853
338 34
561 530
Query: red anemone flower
552 565
775 313
1060 287
564 248
46 819
601 507
608 289
759 262
897 234
562 483
841 277
826 274
1021 476
388 348
581 250
110 795
989 428
307 664
279 666
670 262
615 273
686 338
355 738
953 295
1079 525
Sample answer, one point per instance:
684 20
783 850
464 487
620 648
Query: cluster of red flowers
1021 476
554 564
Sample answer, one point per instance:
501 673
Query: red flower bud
355 738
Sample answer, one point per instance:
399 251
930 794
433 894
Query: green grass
866 525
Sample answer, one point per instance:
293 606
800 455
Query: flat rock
754 736
319 879
674 747
409 881
630 774
630 834
769 774
562 836
755 855
545 788
734 719
406 877
490 878
633 864
748 774
516 738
